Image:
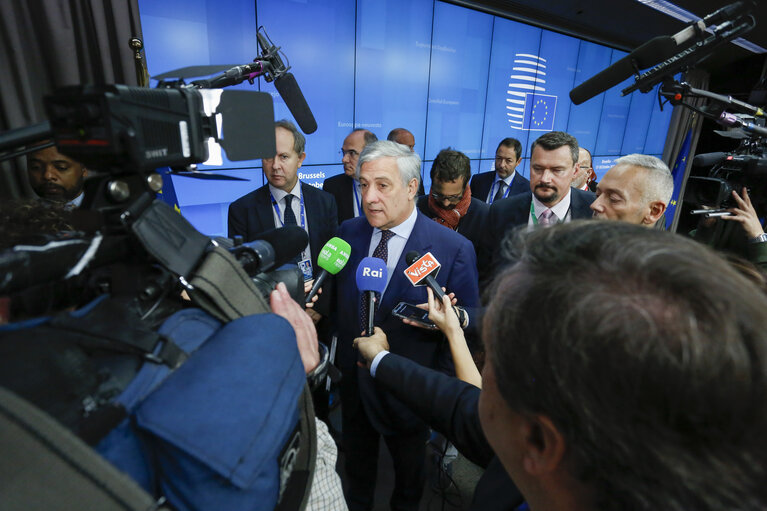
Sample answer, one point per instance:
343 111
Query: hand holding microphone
422 272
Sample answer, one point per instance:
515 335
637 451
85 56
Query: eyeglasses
451 198
351 153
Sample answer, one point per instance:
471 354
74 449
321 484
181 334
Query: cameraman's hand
745 214
371 346
306 335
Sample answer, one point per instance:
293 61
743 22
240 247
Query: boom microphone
650 53
332 259
708 159
371 279
655 51
287 86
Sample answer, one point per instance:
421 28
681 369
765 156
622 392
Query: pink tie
548 218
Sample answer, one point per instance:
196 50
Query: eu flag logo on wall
539 112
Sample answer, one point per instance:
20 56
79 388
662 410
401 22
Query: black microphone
287 86
294 99
650 53
655 51
708 159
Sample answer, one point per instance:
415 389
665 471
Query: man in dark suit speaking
643 389
550 200
391 227
285 200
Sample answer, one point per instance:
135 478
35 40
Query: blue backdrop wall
453 76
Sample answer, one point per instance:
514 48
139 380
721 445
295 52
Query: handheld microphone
371 279
286 85
332 259
422 271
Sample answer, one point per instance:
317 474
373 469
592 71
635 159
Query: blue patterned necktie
382 252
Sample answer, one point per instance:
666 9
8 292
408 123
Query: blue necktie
289 218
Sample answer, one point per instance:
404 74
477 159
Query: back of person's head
553 140
408 162
648 352
659 184
450 165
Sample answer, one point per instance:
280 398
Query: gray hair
659 184
408 162
299 141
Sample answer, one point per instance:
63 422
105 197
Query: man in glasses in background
449 202
345 187
581 180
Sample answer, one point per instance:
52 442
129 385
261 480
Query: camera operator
631 407
55 177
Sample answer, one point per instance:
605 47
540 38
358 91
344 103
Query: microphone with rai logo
371 279
332 259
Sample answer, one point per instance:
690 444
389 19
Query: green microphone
332 259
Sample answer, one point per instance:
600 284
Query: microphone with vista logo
423 271
371 279
332 259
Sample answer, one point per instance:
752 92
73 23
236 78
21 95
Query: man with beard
55 177
450 202
553 164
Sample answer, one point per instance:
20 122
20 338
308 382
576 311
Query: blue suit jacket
458 274
481 183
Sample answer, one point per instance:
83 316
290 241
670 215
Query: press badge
306 267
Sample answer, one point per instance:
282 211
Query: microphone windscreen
371 275
412 257
334 255
649 54
288 243
294 99
708 159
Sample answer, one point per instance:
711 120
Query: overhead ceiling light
686 16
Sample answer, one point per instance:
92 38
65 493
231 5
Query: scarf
451 217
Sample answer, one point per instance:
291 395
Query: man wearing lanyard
551 200
504 181
285 200
345 187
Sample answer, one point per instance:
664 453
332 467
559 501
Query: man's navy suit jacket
340 187
450 406
481 183
507 214
252 214
458 274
